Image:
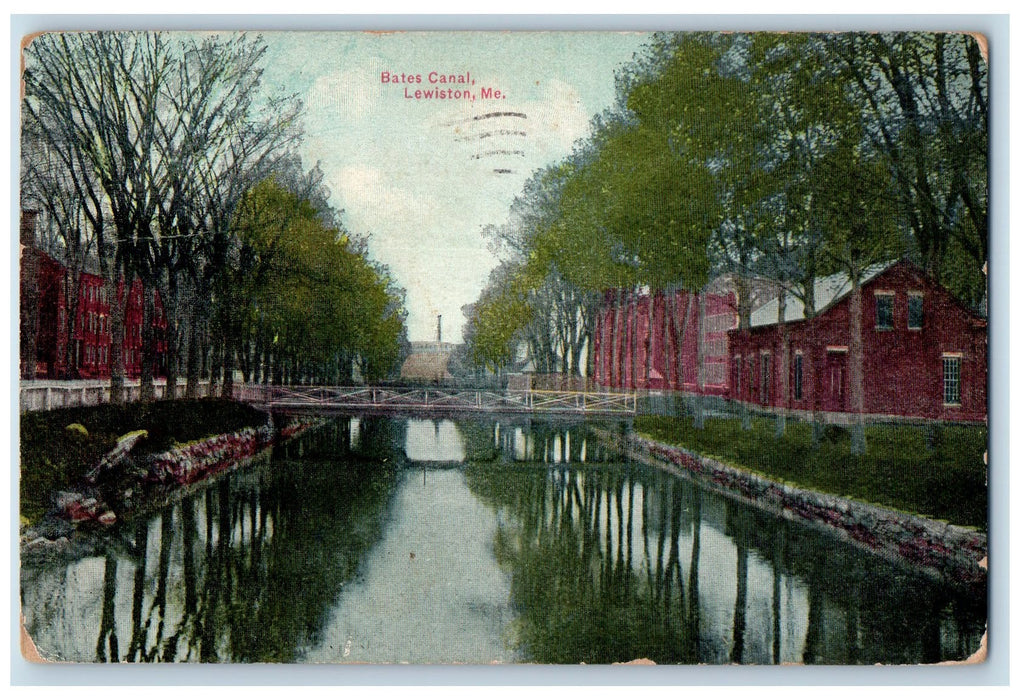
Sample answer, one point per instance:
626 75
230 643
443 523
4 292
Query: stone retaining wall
186 464
947 551
171 473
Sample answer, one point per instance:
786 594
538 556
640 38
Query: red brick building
637 337
44 307
924 354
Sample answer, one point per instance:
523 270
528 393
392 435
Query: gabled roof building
924 354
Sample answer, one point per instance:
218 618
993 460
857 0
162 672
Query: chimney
439 328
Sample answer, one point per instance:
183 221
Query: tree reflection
606 563
579 590
248 569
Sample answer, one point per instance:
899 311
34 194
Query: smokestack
439 328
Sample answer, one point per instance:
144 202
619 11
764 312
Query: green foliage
496 319
306 291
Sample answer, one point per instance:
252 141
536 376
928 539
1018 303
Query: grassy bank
945 482
55 458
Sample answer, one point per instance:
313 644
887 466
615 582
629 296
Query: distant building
428 361
924 353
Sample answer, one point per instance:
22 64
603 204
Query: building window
798 377
884 311
915 312
736 375
951 380
766 366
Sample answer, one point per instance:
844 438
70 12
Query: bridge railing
436 398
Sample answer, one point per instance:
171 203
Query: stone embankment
136 478
952 553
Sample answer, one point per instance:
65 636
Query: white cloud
378 206
342 96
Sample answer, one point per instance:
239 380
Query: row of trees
777 156
162 157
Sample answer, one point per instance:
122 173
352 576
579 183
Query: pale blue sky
418 175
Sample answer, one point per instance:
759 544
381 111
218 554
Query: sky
422 173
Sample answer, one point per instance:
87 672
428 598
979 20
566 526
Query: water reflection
433 441
431 590
360 543
243 571
626 562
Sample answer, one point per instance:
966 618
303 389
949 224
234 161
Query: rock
41 545
35 544
77 428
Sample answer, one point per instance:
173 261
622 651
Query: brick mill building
45 284
924 354
638 334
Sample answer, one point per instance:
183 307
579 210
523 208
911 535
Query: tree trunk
699 407
618 339
146 390
229 358
118 306
633 337
858 442
171 311
743 290
194 367
268 363
667 342
784 366
649 337
680 331
72 296
215 366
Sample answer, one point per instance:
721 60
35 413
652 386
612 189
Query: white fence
43 395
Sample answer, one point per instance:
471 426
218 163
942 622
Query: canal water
402 540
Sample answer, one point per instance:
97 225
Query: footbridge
435 400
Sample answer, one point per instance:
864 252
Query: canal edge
940 550
237 456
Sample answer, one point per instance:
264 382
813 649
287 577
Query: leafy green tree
863 227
